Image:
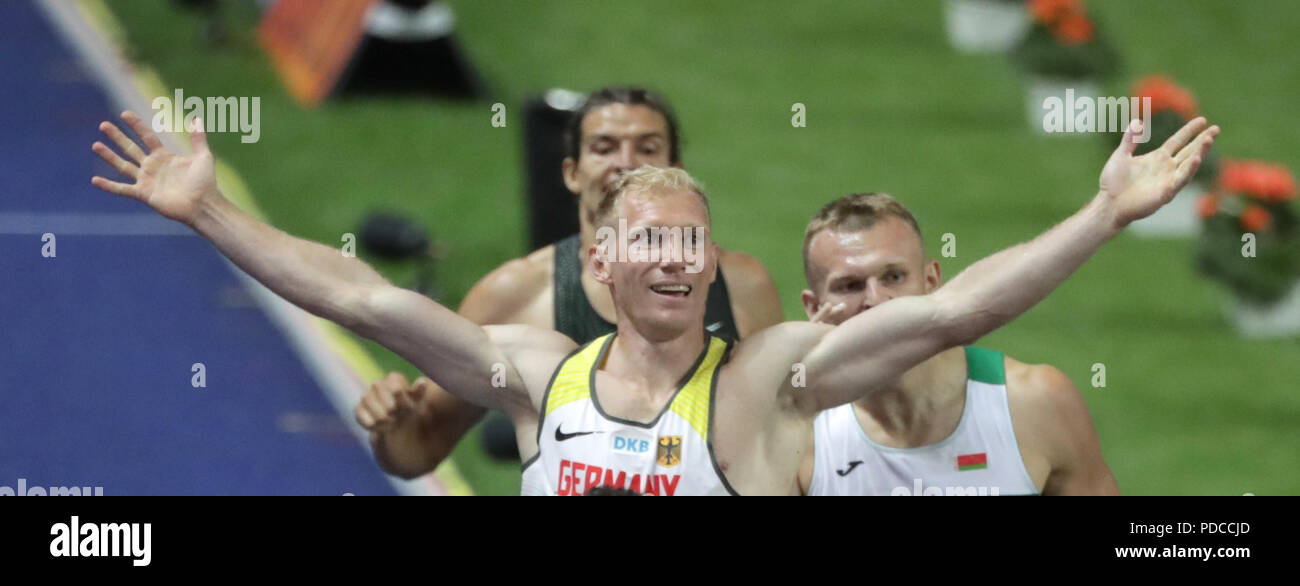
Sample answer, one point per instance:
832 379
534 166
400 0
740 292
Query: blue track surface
97 344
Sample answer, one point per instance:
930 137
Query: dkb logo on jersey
631 445
670 451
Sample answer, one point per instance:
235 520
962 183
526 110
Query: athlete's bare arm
1054 429
517 292
878 345
755 302
812 367
461 355
415 426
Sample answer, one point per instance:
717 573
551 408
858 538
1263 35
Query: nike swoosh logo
713 327
844 472
561 436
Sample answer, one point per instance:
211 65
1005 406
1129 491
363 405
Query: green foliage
1270 274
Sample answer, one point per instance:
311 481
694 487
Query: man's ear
933 276
810 302
598 259
569 168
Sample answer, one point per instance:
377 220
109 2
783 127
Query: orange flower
1235 176
1049 12
1255 218
1208 205
1277 184
1166 95
1263 181
1074 29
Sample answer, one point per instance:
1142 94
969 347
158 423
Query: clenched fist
391 401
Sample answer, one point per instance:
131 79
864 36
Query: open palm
173 185
1138 186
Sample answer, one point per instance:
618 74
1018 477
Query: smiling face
663 299
615 138
863 268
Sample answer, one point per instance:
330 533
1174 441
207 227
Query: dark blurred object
552 208
410 47
552 214
498 438
607 490
394 237
214 28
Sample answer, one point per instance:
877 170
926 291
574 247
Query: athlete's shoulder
510 337
743 266
1040 385
754 299
1051 419
511 289
534 353
1046 405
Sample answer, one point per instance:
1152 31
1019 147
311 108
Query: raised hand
1138 186
830 314
171 184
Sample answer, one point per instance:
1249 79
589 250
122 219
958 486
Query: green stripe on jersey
985 366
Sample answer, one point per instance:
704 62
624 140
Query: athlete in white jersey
968 421
981 457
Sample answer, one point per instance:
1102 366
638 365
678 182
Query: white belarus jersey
980 458
580 447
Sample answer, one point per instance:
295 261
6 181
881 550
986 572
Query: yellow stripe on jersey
692 403
572 382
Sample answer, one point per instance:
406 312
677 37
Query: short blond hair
646 182
851 213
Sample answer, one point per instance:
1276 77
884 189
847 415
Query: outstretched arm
455 351
878 345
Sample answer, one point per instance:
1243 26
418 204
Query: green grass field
1189 408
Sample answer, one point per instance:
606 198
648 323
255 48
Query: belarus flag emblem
978 461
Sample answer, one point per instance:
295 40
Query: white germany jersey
580 447
981 457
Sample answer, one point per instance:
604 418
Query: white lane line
91 224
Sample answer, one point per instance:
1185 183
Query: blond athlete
413 426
